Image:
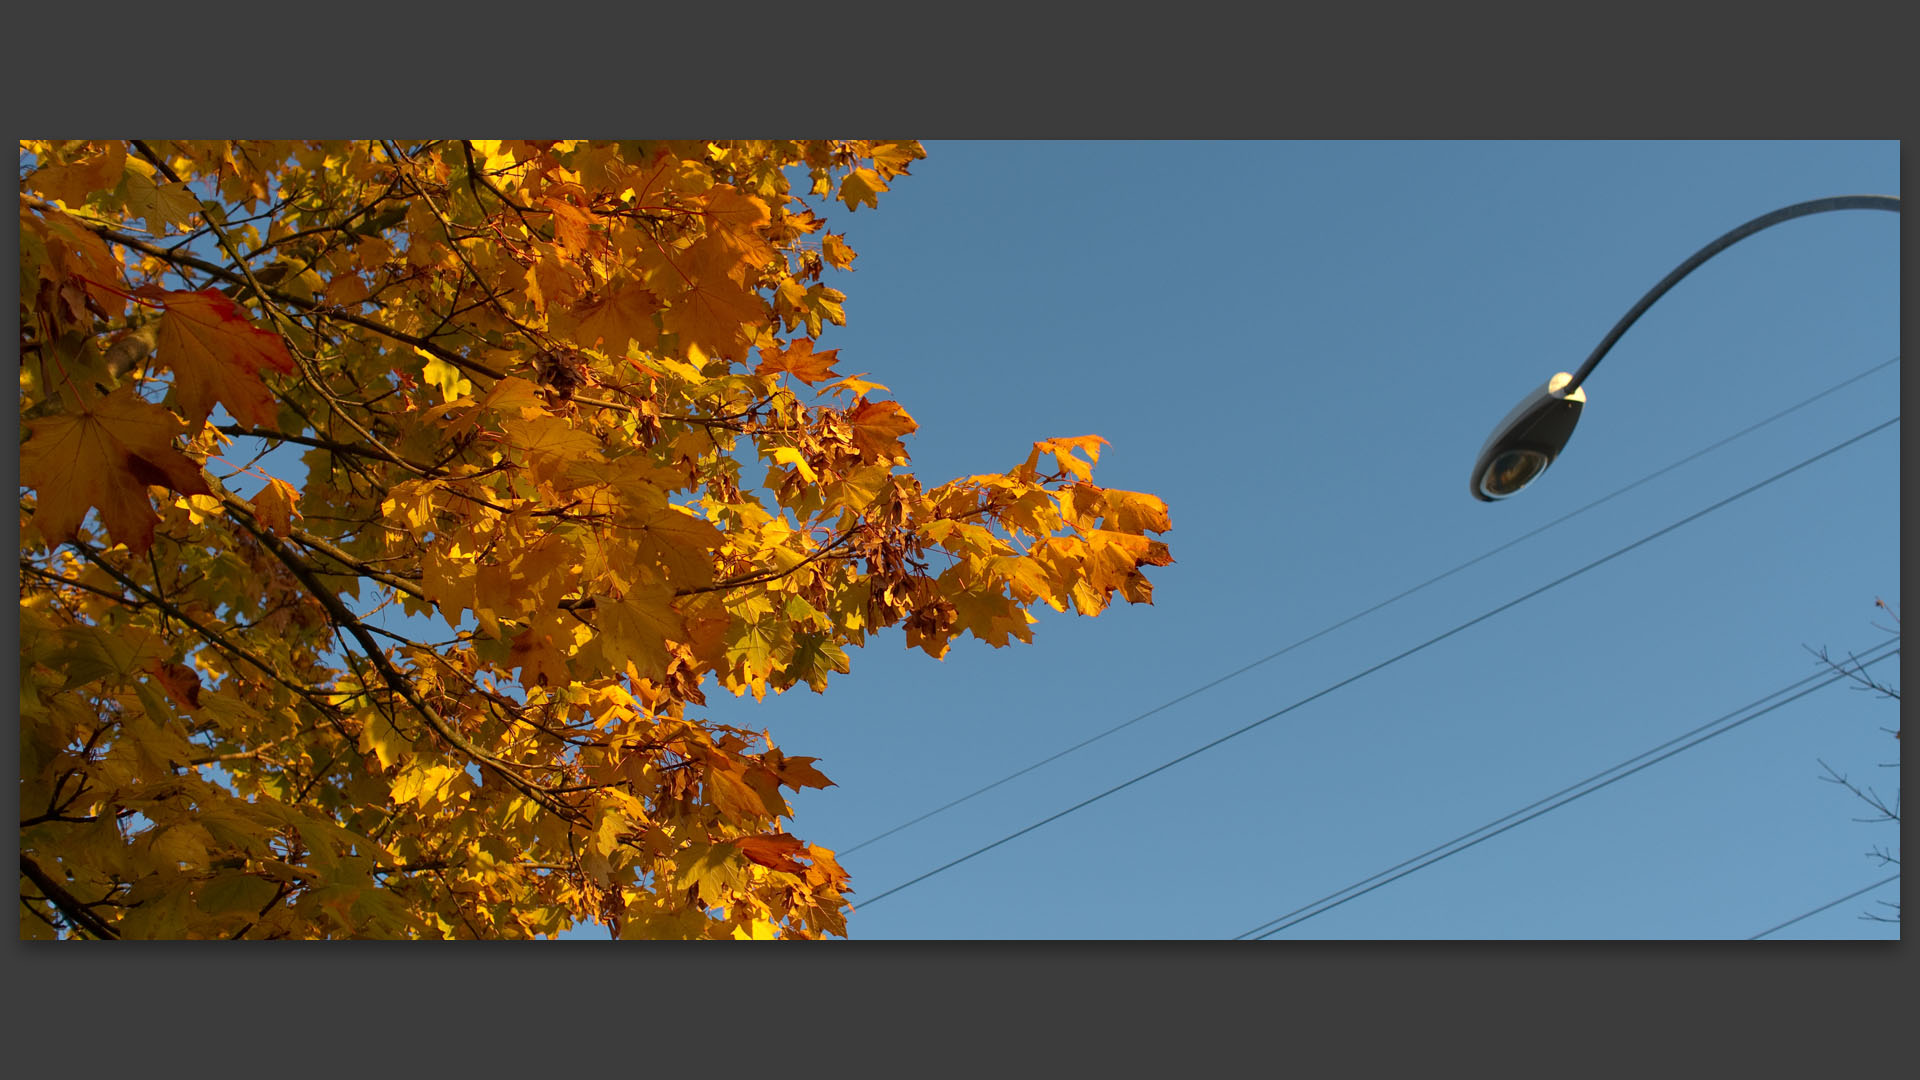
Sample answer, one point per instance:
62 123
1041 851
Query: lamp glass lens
1512 471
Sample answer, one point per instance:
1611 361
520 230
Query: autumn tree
563 402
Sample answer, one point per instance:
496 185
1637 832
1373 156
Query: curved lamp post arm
1785 213
1534 433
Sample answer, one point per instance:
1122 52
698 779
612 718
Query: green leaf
815 656
235 890
711 870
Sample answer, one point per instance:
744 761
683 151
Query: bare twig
1869 796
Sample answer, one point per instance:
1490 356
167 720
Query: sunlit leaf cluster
562 402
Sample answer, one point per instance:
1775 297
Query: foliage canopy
561 399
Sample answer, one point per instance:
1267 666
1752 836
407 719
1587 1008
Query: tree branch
69 905
380 453
211 635
347 621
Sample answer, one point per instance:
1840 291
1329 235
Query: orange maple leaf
217 353
73 182
798 772
728 790
181 683
799 360
877 427
104 457
667 172
623 316
75 257
775 851
735 219
276 505
711 313
571 225
838 254
712 258
538 657
728 209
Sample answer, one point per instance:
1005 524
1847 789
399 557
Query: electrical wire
1476 620
1824 907
1402 595
1315 908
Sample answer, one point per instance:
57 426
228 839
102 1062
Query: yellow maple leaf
990 615
787 455
104 457
822 303
386 741
712 258
550 443
860 186
762 931
446 377
637 628
674 539
1065 461
838 254
513 397
552 281
159 203
800 361
668 172
892 158
623 316
419 781
1132 511
73 182
713 870
1027 577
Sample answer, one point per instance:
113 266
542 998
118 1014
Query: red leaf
216 353
775 851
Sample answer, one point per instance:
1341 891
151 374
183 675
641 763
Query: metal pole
1787 213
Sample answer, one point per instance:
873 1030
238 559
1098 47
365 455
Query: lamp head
1528 439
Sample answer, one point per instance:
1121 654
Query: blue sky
1300 347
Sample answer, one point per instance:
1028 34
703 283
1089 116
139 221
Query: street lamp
1528 439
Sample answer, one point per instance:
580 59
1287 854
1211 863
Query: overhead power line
1396 598
1449 849
1823 907
1436 639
